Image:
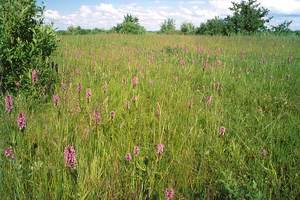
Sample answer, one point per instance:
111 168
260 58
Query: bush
26 45
168 26
130 24
71 30
214 26
282 28
187 28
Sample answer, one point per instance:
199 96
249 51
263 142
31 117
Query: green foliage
187 28
76 30
130 24
282 28
25 45
248 17
257 100
72 30
214 26
129 18
168 26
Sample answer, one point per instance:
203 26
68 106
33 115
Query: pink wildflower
56 100
160 149
21 120
34 76
182 62
8 103
222 130
136 150
88 94
97 117
128 157
70 156
9 153
169 193
134 81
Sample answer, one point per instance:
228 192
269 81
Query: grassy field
179 91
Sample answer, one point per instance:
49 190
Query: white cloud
221 5
106 15
282 6
85 11
52 14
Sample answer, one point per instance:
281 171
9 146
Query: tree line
248 17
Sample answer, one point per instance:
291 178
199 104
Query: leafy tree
248 17
130 18
130 24
76 30
97 30
282 28
168 26
80 31
187 28
25 45
214 26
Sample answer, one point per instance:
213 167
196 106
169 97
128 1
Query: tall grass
254 87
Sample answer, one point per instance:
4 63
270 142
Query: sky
106 14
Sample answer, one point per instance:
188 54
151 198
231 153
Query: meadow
159 117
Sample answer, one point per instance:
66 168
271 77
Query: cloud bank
107 15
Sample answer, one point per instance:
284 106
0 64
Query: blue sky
105 13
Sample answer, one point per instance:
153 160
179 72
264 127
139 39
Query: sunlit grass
256 101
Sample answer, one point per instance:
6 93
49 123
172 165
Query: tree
130 18
248 17
282 28
215 26
76 30
187 28
130 24
25 45
168 26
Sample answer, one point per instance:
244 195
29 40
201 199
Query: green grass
258 103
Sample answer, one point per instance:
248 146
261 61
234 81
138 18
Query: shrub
214 26
282 28
130 24
25 45
187 28
168 26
